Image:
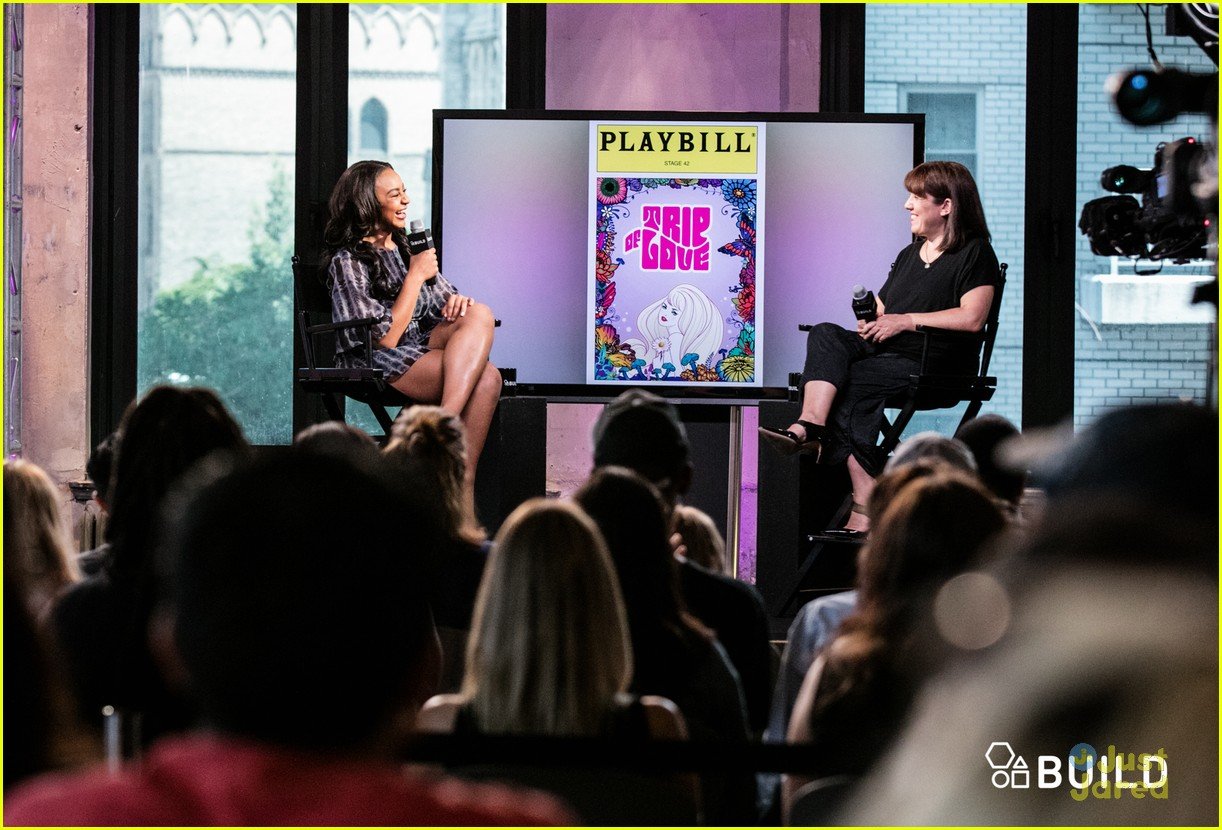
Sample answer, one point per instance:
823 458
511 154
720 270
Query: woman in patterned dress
432 341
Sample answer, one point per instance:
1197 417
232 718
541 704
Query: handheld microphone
420 239
864 307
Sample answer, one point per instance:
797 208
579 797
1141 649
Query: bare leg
456 373
817 398
863 486
465 345
477 415
423 381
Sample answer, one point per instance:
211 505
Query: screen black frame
579 392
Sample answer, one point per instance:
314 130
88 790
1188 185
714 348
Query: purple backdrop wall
730 58
686 56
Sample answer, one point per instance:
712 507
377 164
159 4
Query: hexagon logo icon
1001 758
1000 755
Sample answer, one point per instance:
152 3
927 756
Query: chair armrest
952 334
361 322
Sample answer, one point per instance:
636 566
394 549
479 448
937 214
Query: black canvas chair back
941 391
321 377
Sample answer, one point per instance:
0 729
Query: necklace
921 253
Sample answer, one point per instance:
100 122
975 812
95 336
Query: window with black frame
217 155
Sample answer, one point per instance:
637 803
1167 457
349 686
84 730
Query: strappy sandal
788 443
860 510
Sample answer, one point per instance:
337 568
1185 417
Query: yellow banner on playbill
676 150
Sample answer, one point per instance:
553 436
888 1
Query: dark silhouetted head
642 432
292 585
1166 454
337 438
161 436
99 467
982 436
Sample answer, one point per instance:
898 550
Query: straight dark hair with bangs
951 180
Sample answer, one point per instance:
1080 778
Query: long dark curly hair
353 214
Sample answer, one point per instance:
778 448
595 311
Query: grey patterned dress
351 300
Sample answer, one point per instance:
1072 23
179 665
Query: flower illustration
701 373
709 183
736 368
624 357
607 295
606 337
613 191
604 268
745 303
740 193
746 341
634 185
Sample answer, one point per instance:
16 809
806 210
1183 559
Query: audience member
40 733
294 612
101 624
550 652
701 541
817 621
1166 454
925 445
36 539
429 444
860 688
1102 629
983 436
99 468
674 655
336 438
642 432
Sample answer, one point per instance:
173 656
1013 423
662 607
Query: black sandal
788 443
859 509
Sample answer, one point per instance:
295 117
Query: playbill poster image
676 267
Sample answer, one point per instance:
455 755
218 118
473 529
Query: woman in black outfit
945 279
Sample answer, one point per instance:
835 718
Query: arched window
373 126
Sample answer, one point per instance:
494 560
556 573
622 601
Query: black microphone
864 307
420 239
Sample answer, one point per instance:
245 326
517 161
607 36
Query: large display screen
675 251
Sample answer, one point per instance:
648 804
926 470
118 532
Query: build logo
1083 771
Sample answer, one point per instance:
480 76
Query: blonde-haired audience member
35 536
701 541
435 440
550 652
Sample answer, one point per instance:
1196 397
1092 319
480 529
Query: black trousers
865 376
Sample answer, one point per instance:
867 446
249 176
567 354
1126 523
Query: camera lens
1143 100
1144 97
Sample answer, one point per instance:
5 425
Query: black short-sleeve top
351 299
911 288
